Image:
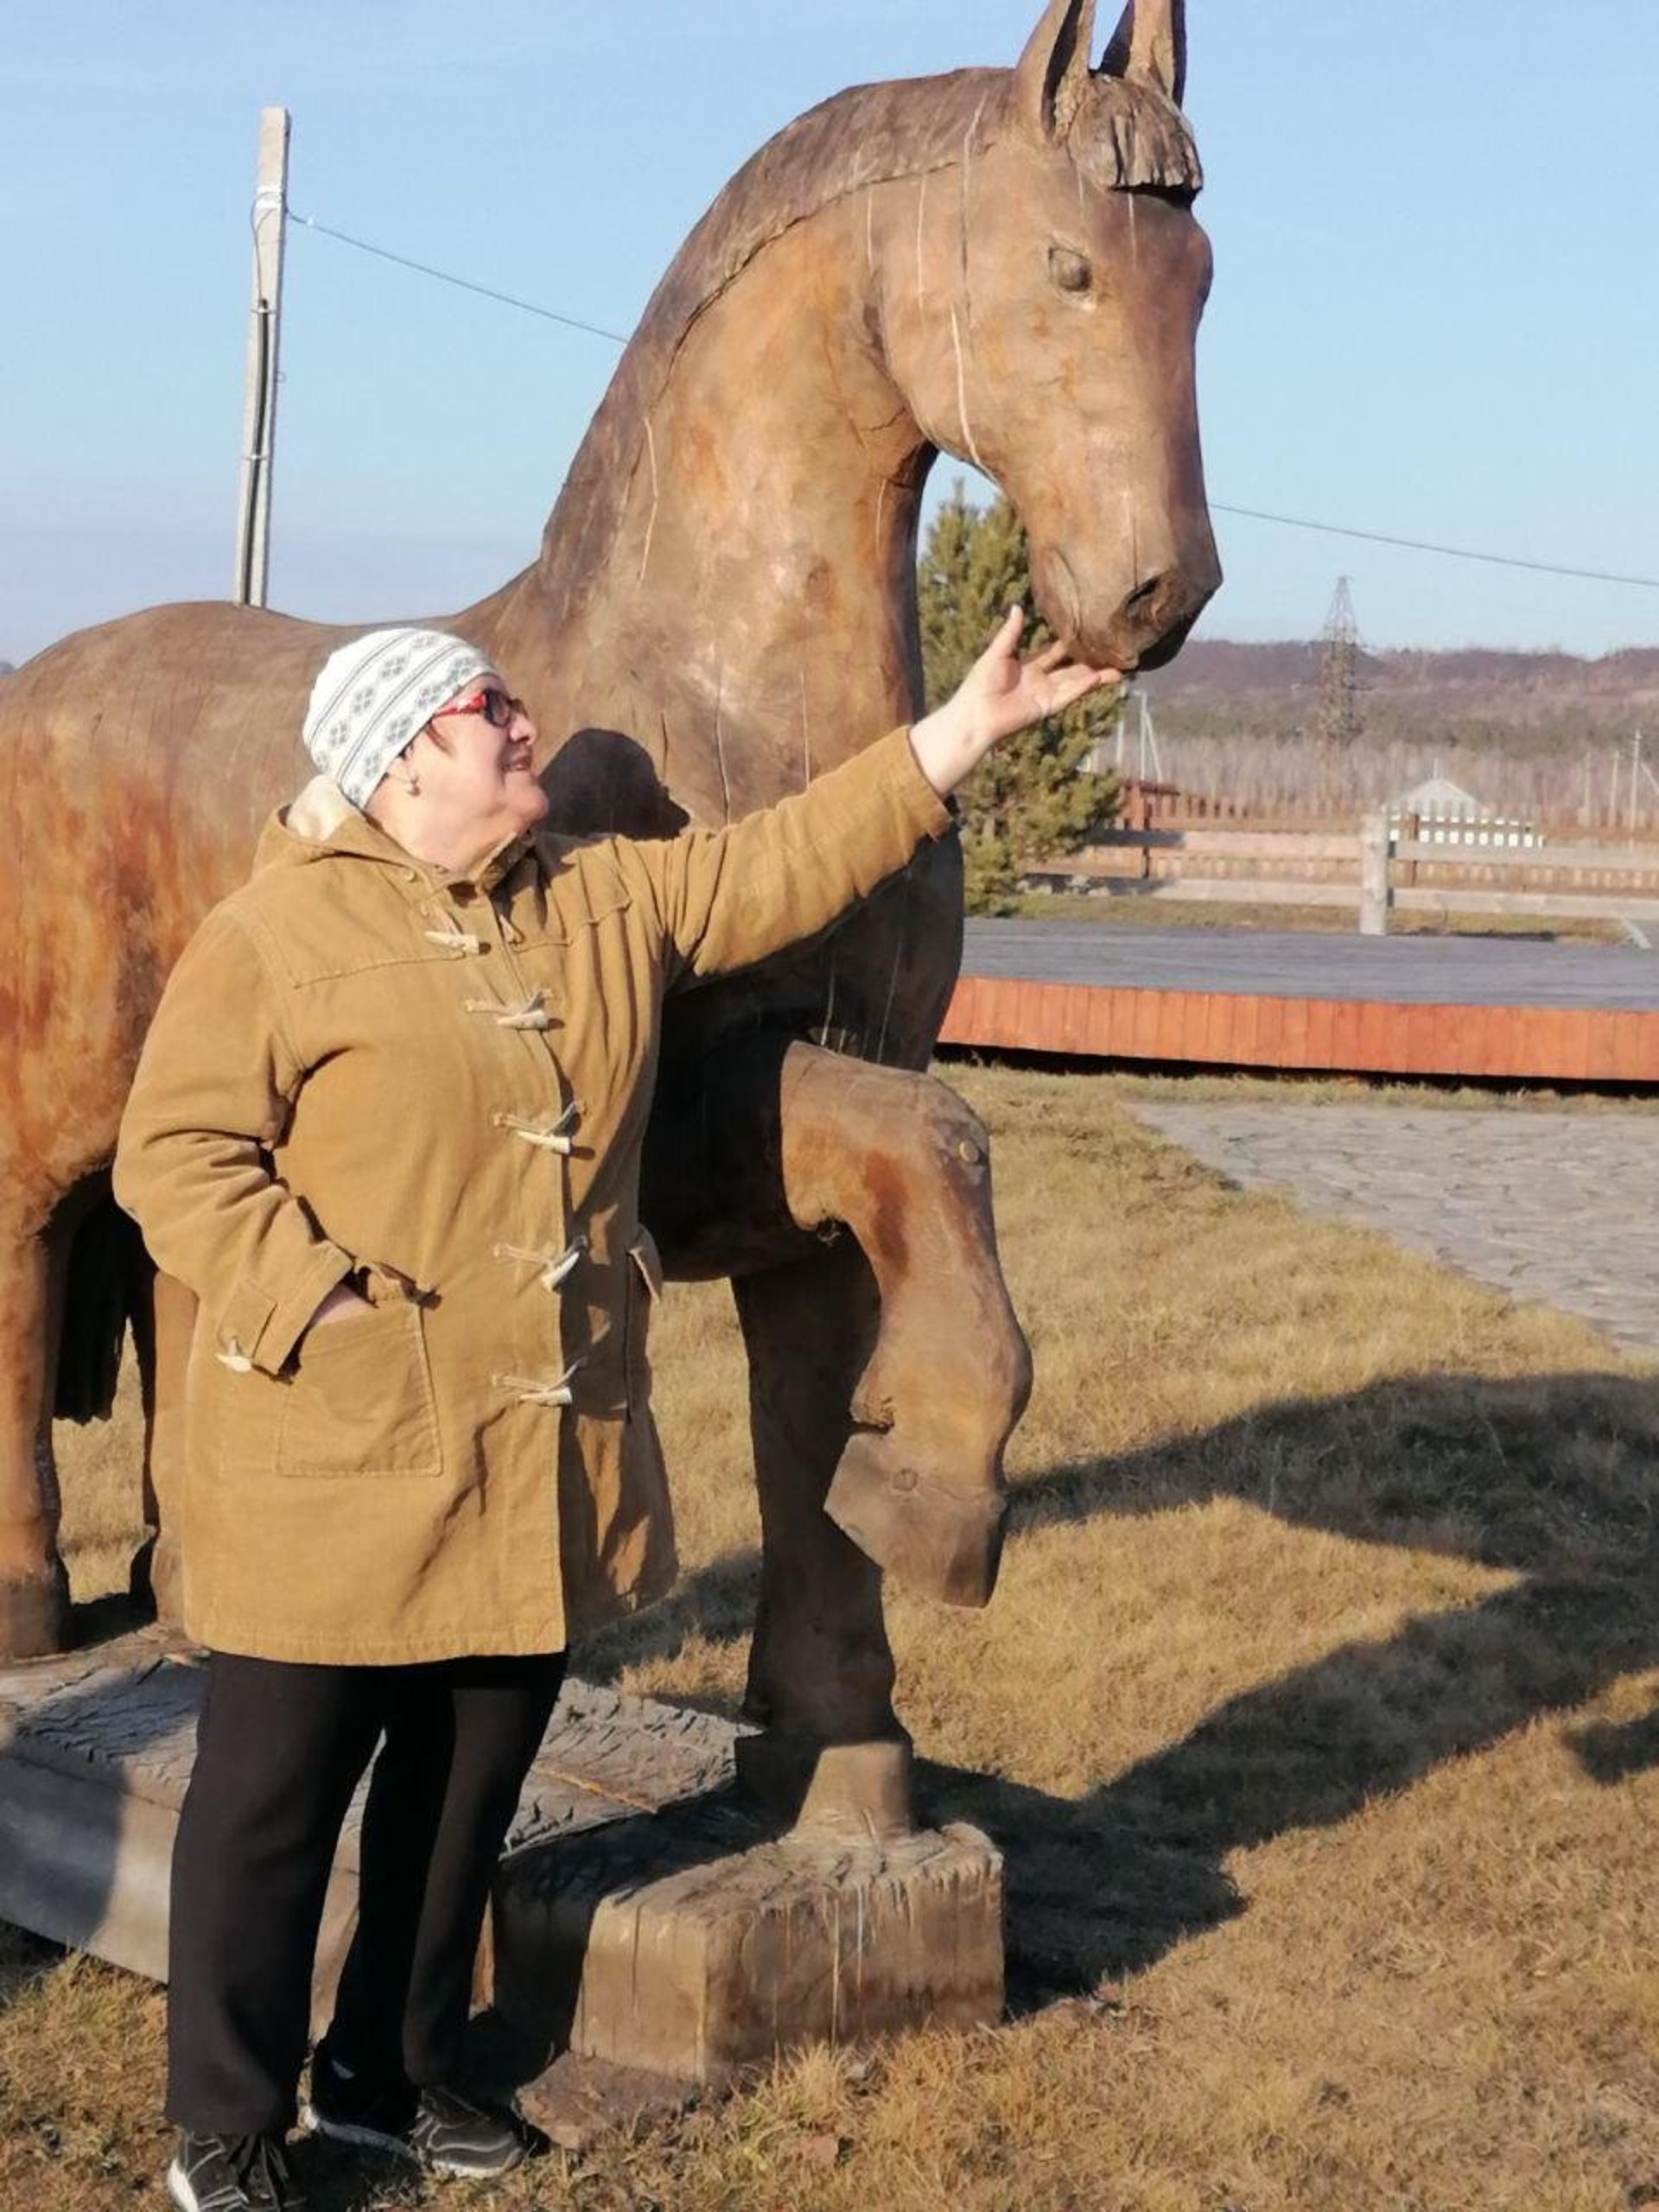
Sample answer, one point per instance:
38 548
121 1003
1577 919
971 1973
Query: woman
387 1125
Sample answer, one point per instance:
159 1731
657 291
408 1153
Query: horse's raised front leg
34 1618
887 1373
905 1164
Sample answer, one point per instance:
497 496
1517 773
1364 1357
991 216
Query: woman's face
473 762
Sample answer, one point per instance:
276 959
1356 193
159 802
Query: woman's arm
999 695
212 1094
730 897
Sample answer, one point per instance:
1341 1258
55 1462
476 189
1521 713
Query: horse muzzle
1147 626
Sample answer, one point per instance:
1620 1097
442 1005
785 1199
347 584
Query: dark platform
1479 1008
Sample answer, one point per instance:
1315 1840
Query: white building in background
1446 814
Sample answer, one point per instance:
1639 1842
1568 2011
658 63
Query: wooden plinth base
694 1942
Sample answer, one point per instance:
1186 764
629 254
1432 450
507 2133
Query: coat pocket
645 1286
360 1400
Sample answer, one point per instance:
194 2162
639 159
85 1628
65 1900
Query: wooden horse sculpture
1003 264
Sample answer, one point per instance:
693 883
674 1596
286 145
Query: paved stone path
1558 1209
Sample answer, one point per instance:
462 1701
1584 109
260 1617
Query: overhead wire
1446 552
1251 514
464 284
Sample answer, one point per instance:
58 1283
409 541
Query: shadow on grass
1555 1479
1612 1753
336 2177
23 1958
1105 1884
717 1602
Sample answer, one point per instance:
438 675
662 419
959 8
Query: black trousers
280 1750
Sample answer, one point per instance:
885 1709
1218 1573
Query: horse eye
1069 270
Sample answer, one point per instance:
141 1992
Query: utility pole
1146 755
269 219
1149 742
1635 770
1653 780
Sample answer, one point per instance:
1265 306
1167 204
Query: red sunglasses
498 708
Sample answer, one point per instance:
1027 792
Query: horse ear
1053 73
1150 45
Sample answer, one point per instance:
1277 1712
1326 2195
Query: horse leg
886 1375
163 1325
35 1617
820 1667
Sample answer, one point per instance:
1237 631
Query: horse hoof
940 1541
844 1792
35 1622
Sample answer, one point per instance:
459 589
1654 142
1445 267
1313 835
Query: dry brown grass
1315 1715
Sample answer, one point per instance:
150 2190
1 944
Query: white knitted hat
375 693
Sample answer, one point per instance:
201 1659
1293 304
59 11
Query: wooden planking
1603 860
1153 864
1288 846
1216 891
1268 1030
96 1752
1282 845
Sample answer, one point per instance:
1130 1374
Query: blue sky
1434 312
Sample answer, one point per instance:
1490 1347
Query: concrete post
259 381
1373 894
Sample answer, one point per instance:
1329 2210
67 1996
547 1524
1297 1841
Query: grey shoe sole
182 2193
399 2146
360 2138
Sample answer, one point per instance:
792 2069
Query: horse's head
1044 328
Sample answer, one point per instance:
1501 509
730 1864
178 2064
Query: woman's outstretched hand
999 695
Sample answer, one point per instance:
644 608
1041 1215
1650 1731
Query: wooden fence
1387 864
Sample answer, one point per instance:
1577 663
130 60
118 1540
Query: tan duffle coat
439 1084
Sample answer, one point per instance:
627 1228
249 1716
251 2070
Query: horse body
999 264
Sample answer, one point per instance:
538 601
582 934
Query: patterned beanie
374 694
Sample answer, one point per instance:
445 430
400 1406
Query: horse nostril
1143 600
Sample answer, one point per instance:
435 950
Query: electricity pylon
1337 716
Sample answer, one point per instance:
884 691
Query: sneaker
440 2130
227 2173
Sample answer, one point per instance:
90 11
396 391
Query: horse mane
1123 137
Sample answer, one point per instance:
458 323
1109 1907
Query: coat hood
321 822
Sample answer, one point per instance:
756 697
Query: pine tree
1031 798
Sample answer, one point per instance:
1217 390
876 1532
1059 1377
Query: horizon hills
1456 694
1481 695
